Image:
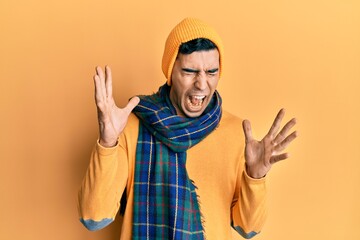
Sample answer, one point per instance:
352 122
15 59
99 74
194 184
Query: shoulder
230 118
132 125
131 129
231 126
133 121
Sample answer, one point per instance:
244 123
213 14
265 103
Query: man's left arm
249 208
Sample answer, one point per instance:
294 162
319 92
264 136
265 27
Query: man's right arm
106 177
102 187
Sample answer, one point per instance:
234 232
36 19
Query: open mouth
195 101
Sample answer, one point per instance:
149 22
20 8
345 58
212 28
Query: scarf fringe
199 205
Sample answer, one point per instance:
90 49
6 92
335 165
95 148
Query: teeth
196 100
199 97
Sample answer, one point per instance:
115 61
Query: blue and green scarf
165 201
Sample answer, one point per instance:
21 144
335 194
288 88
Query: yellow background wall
301 55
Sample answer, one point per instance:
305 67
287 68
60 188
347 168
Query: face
193 81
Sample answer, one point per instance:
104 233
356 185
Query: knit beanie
187 30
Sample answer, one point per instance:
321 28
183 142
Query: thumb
247 130
132 104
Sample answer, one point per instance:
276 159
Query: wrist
108 144
251 172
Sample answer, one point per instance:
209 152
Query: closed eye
212 71
189 70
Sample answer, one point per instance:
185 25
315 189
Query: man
187 168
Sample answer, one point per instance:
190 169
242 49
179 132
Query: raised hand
112 120
261 155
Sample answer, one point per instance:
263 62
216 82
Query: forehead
208 58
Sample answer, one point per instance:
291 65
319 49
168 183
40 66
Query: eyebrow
190 70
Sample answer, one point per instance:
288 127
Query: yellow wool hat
187 30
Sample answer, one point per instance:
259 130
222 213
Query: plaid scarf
165 200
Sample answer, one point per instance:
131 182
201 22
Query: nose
201 81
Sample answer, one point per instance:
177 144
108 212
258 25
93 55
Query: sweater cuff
106 151
251 180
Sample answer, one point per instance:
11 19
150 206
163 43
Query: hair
198 44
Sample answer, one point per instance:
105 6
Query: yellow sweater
216 165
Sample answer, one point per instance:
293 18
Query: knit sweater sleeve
249 205
102 187
106 178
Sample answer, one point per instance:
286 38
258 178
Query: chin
193 115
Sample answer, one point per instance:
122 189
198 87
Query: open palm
112 119
261 155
